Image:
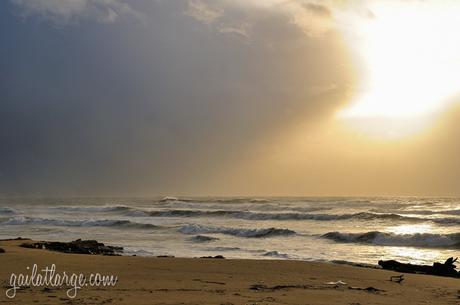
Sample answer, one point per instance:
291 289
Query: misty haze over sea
364 230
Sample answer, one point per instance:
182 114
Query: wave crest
276 216
249 233
428 240
7 211
275 254
94 209
77 223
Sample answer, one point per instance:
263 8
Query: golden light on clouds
410 55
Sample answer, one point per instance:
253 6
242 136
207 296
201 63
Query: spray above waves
77 223
248 233
426 240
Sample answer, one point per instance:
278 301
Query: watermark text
49 277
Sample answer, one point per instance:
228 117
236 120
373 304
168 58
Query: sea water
356 230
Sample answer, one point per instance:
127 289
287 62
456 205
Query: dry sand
217 281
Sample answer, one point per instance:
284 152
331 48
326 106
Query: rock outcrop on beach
445 269
2 250
217 256
77 246
203 238
17 238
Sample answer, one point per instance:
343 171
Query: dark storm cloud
151 107
71 11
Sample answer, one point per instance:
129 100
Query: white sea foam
7 211
22 220
251 233
391 239
275 254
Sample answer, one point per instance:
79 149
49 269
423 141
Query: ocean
342 230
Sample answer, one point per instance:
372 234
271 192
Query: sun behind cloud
410 72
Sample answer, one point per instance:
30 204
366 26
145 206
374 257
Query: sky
229 98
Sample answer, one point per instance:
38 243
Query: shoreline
167 280
217 256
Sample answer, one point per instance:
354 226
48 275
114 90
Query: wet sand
219 281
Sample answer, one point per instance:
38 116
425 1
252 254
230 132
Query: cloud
65 11
203 12
312 18
318 9
210 14
237 29
164 108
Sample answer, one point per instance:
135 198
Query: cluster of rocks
445 269
77 246
2 250
217 256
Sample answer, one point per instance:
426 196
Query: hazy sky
222 97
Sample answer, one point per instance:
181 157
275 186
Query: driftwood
445 269
368 289
262 287
77 246
397 278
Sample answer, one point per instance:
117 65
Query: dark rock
446 269
77 246
217 256
17 238
203 238
2 250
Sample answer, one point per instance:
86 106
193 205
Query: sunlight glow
411 229
411 54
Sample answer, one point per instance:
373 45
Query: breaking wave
94 209
215 200
276 216
77 223
7 211
275 254
249 233
247 215
427 240
432 212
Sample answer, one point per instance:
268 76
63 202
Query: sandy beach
219 281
